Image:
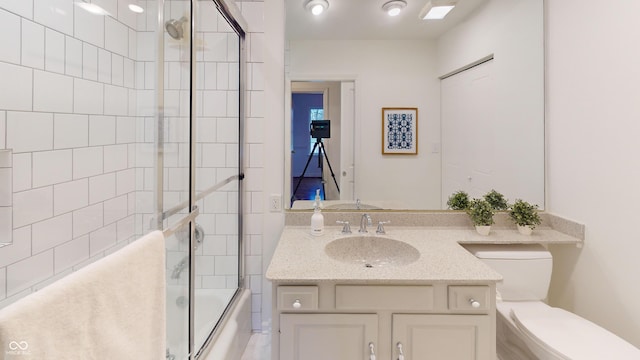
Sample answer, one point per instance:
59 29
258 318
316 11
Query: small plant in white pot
481 214
459 200
525 216
496 200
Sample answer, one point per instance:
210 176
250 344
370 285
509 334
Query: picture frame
399 131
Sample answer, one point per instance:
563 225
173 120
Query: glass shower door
217 161
173 166
199 168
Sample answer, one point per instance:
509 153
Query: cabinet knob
372 351
474 303
297 304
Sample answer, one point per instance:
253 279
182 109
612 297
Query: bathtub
232 335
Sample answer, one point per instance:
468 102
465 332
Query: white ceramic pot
525 229
483 230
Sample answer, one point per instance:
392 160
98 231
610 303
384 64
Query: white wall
511 31
593 157
387 74
270 130
257 154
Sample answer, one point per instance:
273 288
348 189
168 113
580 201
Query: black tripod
321 152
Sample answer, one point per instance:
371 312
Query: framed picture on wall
399 131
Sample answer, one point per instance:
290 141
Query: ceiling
365 20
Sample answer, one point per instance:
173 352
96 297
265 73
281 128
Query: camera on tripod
320 129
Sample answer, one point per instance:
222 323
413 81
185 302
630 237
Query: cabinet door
327 336
440 337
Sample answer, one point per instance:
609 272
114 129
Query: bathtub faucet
179 268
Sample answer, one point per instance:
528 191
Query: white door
347 140
327 336
469 135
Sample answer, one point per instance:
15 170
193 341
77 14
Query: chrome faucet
364 221
179 268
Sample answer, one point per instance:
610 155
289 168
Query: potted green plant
481 214
459 200
496 200
525 216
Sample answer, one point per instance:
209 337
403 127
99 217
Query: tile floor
258 348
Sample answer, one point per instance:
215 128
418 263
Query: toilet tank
526 269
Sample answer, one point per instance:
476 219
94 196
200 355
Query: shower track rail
201 195
180 224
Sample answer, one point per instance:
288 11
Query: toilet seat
553 333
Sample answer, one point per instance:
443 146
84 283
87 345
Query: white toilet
527 328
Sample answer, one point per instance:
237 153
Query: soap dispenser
317 219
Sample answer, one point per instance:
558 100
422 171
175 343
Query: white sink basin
372 251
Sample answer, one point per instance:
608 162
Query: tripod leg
304 171
321 166
322 150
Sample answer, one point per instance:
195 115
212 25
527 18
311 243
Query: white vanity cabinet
355 321
328 336
451 337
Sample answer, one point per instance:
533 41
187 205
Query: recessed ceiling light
394 7
436 9
316 7
136 8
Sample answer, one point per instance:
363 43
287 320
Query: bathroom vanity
412 293
330 305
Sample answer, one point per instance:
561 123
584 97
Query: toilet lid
564 335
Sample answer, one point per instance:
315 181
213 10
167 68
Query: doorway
307 158
315 161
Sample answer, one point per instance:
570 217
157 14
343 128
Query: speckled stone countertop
301 258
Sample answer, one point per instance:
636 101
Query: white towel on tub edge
113 308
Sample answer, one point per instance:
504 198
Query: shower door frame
234 18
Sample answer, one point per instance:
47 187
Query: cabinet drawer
383 297
297 297
465 297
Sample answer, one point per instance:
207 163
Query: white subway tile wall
54 51
22 8
89 62
73 58
32 44
6 197
64 111
17 91
78 114
55 14
9 27
52 92
254 204
3 129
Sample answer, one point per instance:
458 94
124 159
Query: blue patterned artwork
399 131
